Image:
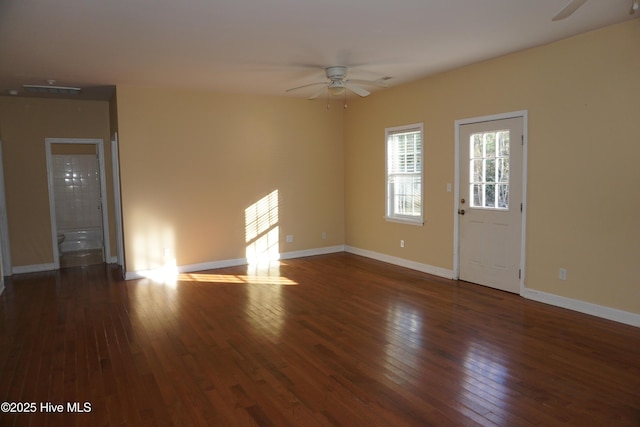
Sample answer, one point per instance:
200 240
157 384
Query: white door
490 205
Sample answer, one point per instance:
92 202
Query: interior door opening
79 219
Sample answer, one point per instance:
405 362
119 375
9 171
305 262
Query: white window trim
404 219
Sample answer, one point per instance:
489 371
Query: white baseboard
190 268
609 313
35 268
312 252
212 265
552 299
425 268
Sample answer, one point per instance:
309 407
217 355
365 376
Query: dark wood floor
81 258
321 341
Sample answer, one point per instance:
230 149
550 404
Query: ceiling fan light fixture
336 89
634 7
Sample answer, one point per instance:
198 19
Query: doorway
77 198
490 195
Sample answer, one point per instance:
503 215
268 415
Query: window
404 174
489 170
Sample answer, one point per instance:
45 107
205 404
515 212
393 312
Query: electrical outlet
324 235
289 238
563 274
402 243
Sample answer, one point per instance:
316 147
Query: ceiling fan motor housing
338 83
337 73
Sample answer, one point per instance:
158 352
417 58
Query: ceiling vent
58 90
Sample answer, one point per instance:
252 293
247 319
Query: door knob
460 211
462 201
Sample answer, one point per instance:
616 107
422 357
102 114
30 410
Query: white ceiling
267 46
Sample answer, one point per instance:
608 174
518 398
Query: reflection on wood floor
81 258
332 340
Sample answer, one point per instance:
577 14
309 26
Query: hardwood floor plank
333 340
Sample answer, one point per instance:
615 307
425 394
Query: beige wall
583 99
24 125
191 162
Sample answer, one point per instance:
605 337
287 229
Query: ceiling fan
568 10
337 83
573 5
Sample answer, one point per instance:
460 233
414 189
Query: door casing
4 227
115 162
456 205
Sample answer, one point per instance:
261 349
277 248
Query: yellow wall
191 162
24 125
583 99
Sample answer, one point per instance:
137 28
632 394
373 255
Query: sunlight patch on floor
235 279
165 275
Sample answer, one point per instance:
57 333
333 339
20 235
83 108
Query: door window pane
502 174
476 190
503 144
490 196
489 170
477 147
503 196
490 144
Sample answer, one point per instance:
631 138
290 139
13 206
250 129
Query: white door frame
5 244
115 162
456 205
103 194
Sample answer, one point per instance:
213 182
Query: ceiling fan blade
566 11
357 89
379 82
303 86
318 93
